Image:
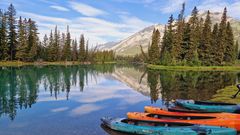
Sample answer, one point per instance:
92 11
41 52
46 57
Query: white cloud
97 30
59 8
172 6
85 9
42 18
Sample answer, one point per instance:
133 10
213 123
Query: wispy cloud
59 8
85 9
172 6
102 29
42 18
97 30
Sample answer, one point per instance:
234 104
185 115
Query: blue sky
109 20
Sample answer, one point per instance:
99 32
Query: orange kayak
201 120
212 119
157 110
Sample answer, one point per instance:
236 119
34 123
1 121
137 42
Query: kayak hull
117 124
208 106
157 110
201 120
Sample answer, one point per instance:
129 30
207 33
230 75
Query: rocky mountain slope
130 46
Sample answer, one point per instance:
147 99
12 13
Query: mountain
130 46
107 45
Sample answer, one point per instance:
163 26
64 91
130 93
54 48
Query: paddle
235 95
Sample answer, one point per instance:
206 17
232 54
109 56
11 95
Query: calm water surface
70 100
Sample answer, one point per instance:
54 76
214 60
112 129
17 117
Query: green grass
195 68
14 63
20 63
225 94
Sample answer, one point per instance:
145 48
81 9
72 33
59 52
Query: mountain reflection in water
22 87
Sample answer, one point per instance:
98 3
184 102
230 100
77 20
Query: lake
70 100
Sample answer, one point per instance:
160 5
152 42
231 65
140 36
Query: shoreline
194 68
46 63
225 95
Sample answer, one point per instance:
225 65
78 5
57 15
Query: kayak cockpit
180 117
153 123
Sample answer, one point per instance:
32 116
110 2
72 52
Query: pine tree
222 36
178 36
32 40
200 35
191 54
12 35
55 51
74 50
165 56
50 47
82 49
22 47
58 46
229 55
205 46
215 59
45 45
62 44
185 44
154 51
236 50
86 51
67 47
168 43
169 36
163 47
3 37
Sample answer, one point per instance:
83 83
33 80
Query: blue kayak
208 106
163 128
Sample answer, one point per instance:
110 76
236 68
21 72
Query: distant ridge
130 45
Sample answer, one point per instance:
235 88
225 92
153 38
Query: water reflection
21 87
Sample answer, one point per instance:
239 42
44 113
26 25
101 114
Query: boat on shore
144 127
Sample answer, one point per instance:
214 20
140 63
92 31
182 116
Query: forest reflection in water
19 86
188 84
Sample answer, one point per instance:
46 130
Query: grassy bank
195 68
19 63
225 94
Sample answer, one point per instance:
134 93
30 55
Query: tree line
194 42
19 41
